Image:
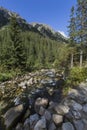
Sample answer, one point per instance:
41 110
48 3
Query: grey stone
78 124
69 116
85 124
76 115
33 120
67 126
51 126
61 109
73 93
12 115
40 102
85 108
41 111
76 106
47 115
52 105
41 124
57 118
27 121
26 127
19 126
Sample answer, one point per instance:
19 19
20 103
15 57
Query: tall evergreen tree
18 50
72 27
81 21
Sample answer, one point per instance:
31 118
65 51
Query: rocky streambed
27 88
35 102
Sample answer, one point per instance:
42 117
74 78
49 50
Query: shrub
5 76
77 75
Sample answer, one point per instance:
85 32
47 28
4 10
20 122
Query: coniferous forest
27 50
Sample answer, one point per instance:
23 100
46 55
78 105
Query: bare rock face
12 115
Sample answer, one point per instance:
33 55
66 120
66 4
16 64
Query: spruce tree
18 49
81 21
72 27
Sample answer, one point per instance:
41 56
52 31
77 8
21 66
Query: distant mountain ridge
42 29
47 31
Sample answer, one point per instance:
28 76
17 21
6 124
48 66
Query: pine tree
72 27
81 21
81 24
18 55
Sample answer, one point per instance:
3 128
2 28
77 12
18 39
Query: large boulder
13 115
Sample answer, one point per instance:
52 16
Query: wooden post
71 60
81 53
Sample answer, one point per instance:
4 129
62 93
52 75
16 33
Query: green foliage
77 75
62 59
78 24
9 74
29 50
16 56
72 27
66 89
5 76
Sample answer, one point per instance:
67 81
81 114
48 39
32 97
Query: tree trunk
81 53
71 60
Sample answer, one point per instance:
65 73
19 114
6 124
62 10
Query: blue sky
52 12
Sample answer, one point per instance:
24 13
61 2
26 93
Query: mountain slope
42 29
47 31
